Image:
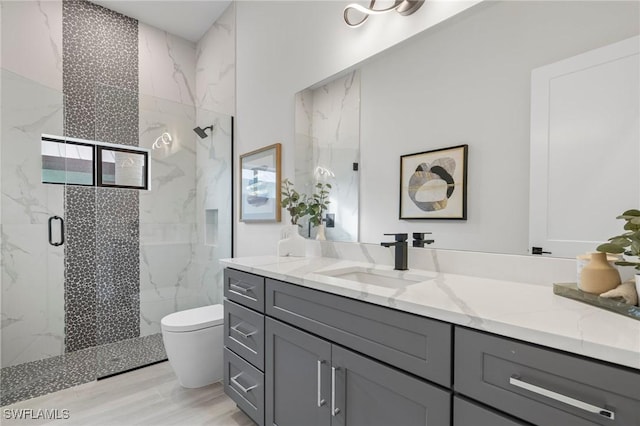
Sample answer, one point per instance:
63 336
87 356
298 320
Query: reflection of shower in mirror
164 138
202 132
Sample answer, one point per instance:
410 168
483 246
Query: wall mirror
328 151
469 81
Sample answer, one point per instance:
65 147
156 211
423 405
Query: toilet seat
193 319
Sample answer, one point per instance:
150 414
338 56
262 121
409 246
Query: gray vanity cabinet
310 381
297 377
368 393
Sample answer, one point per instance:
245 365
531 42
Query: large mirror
469 81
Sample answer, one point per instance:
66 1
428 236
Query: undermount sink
383 278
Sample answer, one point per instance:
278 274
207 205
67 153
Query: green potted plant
627 243
293 202
317 205
291 242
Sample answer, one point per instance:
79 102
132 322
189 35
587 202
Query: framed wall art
260 185
433 184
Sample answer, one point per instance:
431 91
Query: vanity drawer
467 413
244 333
543 386
245 385
244 288
409 342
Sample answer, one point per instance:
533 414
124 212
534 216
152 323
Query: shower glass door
32 214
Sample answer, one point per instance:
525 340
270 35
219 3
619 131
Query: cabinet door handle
241 289
234 380
242 333
515 380
321 401
334 409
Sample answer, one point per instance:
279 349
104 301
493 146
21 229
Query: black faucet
418 239
402 251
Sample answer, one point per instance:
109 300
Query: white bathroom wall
32 298
284 47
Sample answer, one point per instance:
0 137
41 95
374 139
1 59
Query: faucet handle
419 235
400 237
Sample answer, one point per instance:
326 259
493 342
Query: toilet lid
193 319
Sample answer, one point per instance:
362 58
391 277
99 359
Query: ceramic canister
583 259
598 275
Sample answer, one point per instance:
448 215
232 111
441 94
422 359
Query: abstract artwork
260 185
433 184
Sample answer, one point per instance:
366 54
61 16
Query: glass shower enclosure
90 265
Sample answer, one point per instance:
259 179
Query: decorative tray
572 291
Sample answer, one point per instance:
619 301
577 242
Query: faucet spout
401 251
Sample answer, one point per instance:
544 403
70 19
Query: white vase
320 235
291 242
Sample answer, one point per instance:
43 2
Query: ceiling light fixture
403 7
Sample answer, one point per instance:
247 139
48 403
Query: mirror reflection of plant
627 243
318 203
293 202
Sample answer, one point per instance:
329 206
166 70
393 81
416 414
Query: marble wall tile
167 210
215 70
172 197
28 110
32 40
32 297
167 65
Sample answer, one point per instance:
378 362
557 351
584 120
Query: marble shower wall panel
32 298
100 81
214 192
167 212
216 65
304 158
32 40
167 65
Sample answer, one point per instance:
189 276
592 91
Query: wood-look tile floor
148 396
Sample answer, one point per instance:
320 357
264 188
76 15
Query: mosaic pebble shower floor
37 378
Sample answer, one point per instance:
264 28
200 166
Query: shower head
202 132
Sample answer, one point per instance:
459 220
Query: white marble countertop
528 312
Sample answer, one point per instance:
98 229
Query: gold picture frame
260 175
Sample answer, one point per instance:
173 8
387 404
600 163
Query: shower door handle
61 242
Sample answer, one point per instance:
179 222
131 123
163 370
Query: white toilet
194 345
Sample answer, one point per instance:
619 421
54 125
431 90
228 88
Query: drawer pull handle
334 410
321 401
234 380
241 289
515 381
242 333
